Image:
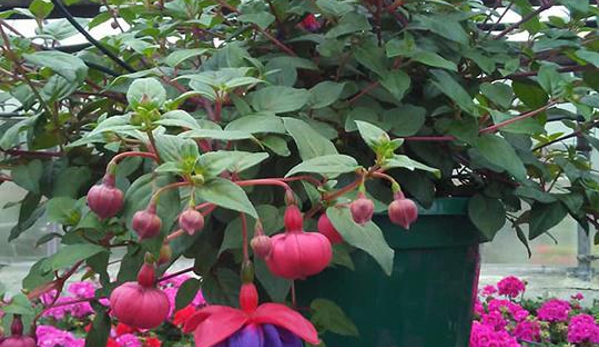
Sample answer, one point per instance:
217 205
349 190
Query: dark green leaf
100 330
325 94
279 99
187 293
69 255
181 55
227 194
487 214
450 87
309 142
498 151
258 123
222 287
372 135
530 93
62 210
368 237
41 8
433 59
397 82
544 217
276 287
405 120
328 165
66 65
499 93
327 315
28 176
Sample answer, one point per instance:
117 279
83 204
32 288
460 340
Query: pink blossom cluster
503 320
583 328
77 290
511 286
49 336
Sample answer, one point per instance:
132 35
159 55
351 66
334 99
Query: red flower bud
146 223
191 221
293 219
362 209
17 339
403 211
248 297
105 199
297 254
139 304
327 229
310 23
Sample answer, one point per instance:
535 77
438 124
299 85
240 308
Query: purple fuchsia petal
284 317
289 339
250 336
271 336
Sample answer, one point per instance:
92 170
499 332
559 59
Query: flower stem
155 198
114 161
244 234
264 182
345 189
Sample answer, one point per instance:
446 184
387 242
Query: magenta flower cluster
503 320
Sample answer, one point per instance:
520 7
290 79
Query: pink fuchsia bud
17 339
326 228
293 219
310 23
105 199
146 223
248 297
261 244
362 209
402 211
140 304
191 221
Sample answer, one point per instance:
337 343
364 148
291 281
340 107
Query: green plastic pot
427 301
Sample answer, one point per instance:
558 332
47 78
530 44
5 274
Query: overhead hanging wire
65 12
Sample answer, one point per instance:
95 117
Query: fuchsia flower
511 286
583 329
105 199
402 211
554 310
265 325
16 338
310 23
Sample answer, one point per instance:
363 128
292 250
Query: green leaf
222 287
397 82
179 56
70 182
19 304
175 148
372 135
218 134
446 26
530 93
330 317
544 217
10 138
454 90
100 330
309 142
402 161
261 19
279 99
62 210
588 56
487 214
213 163
405 120
535 194
227 194
66 65
178 118
550 80
28 176
41 8
271 222
69 255
187 293
498 151
277 145
258 123
433 59
276 287
334 7
146 92
368 237
350 23
499 93
325 94
31 210
373 57
328 165
247 161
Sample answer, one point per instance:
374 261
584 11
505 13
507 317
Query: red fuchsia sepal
327 228
215 324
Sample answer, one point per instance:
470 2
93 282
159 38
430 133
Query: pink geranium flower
511 286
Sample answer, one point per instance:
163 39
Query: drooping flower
16 338
266 325
402 211
261 244
297 254
554 310
191 221
327 228
105 199
140 304
146 223
362 209
511 286
583 329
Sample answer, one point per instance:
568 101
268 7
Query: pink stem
263 182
